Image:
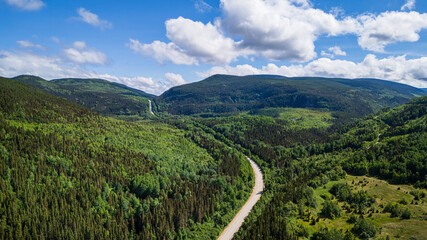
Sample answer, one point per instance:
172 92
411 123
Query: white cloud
81 54
28 5
204 41
279 29
146 84
52 67
92 19
202 6
174 78
79 44
17 63
163 52
28 44
333 51
390 27
397 69
409 5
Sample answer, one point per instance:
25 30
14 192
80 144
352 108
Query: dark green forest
68 173
325 146
224 94
107 98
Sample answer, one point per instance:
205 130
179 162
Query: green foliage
397 210
418 194
68 172
330 209
364 229
107 98
325 234
221 94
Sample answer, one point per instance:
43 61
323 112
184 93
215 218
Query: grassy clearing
300 117
384 193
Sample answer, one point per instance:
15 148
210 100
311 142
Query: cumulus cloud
280 30
204 41
333 51
409 5
146 84
53 67
79 53
202 6
17 63
27 5
92 19
397 69
390 27
174 78
163 52
28 44
192 40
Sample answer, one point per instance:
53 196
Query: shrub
330 210
364 229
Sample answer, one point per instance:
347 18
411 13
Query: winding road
238 220
150 107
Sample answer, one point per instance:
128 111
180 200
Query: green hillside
303 165
107 98
223 93
67 172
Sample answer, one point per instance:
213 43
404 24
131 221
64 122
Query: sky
155 45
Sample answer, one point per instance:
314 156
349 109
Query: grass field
300 117
383 193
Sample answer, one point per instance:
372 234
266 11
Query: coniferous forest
68 172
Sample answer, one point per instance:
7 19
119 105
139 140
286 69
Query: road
238 220
150 107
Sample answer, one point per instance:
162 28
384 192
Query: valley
107 161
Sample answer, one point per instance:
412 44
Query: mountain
107 98
225 93
424 89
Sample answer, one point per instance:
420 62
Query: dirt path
235 224
150 107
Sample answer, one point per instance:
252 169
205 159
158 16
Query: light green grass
301 117
384 193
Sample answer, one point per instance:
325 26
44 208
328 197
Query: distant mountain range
107 98
224 94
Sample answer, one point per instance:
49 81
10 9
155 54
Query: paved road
149 106
235 224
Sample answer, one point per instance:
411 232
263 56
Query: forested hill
224 93
67 172
107 98
390 145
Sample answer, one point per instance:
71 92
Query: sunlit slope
99 95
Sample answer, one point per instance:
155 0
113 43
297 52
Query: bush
341 191
406 214
418 194
364 229
352 219
325 234
330 210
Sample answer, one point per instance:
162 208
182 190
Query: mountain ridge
226 93
105 97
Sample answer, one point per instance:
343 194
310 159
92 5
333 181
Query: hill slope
70 173
390 145
107 98
223 93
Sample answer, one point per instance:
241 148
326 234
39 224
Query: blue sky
154 45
